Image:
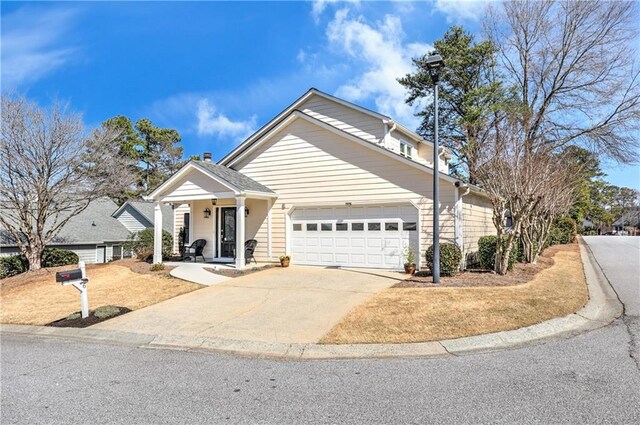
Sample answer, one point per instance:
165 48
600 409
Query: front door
228 233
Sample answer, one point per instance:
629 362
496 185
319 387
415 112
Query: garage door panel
359 236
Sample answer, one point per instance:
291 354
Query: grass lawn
36 299
423 314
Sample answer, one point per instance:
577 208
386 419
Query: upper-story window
406 149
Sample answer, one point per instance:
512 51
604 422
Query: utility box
67 275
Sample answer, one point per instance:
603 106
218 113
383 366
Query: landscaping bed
75 320
521 273
476 303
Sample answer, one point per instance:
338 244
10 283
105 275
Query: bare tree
574 66
50 171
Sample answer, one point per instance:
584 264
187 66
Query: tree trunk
502 255
34 258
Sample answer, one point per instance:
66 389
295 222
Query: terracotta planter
284 263
409 268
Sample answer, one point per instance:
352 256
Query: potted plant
284 260
410 257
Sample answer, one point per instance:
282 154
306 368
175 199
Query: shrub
450 257
13 265
487 252
563 231
106 311
157 267
53 257
141 244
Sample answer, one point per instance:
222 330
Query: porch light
207 213
246 211
214 201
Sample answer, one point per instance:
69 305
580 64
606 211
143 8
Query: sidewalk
602 308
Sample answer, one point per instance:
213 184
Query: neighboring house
330 183
628 222
98 233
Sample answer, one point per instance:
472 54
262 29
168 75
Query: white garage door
356 236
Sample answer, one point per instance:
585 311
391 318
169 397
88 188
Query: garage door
357 236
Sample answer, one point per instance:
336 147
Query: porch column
157 234
240 261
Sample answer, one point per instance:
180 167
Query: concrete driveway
291 305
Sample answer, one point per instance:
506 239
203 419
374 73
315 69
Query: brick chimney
206 156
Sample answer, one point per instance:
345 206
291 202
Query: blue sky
217 71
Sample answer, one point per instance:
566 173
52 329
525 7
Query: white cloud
33 44
212 123
319 6
461 10
382 55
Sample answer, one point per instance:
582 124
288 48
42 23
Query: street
591 378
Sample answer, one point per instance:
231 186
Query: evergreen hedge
450 257
487 252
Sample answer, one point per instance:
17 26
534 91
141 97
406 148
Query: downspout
388 131
459 219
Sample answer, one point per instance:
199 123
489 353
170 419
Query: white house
331 184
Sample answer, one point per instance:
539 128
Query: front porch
223 212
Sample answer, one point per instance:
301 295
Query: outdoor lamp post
434 64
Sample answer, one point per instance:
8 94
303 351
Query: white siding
133 220
178 222
195 184
86 253
477 221
347 119
307 165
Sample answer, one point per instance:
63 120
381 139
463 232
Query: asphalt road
591 378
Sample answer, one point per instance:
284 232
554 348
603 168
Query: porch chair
196 249
249 247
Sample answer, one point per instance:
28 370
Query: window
326 227
392 227
373 226
185 225
409 226
357 227
342 227
406 149
297 227
312 227
117 252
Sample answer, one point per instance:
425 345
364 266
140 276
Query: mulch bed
83 323
142 267
238 273
521 273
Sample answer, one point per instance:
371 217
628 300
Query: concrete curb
602 308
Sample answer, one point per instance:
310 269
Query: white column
157 234
240 261
269 225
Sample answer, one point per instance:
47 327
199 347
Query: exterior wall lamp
207 213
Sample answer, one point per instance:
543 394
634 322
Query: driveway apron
286 305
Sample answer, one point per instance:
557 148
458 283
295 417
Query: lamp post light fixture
434 63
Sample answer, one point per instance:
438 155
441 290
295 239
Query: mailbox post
78 279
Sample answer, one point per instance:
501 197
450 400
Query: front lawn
36 299
420 314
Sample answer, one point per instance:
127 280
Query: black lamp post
434 63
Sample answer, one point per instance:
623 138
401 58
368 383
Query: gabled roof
147 211
235 181
630 218
296 105
94 225
296 114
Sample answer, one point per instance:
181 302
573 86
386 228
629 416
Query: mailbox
62 277
78 279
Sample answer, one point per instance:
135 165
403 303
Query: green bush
563 231
106 311
157 267
141 244
53 257
487 252
13 265
450 257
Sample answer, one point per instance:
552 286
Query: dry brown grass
399 315
36 299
